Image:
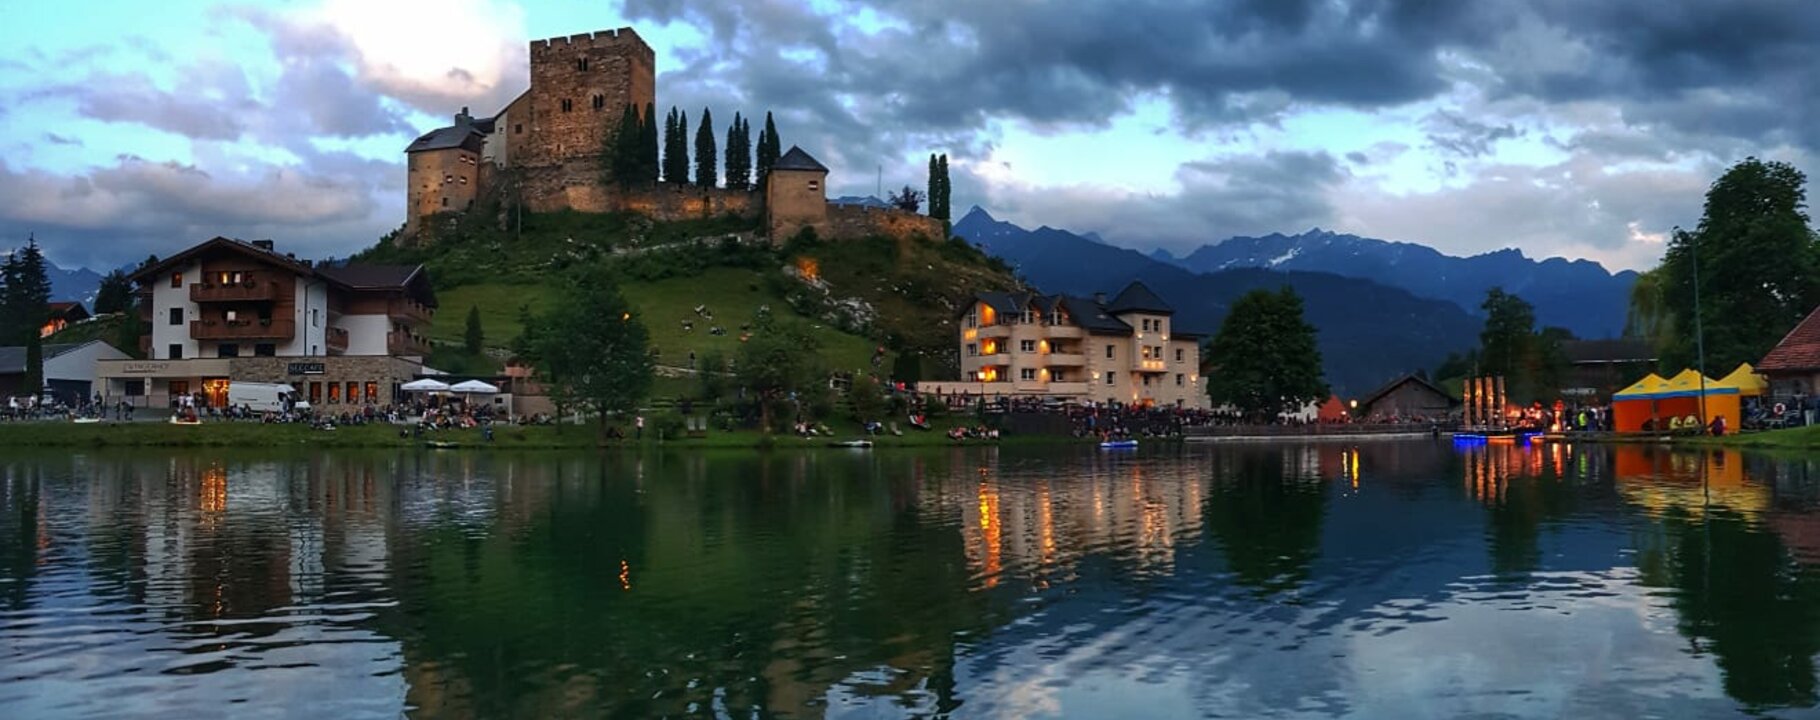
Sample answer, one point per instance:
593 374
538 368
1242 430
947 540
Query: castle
546 147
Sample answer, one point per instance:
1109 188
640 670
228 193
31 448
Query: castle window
582 64
445 202
464 179
814 185
448 178
518 129
600 101
568 105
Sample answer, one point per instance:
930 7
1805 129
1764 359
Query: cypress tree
935 188
770 146
707 159
947 195
623 158
676 148
647 146
739 155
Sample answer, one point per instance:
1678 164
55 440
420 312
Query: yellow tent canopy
1746 379
1649 385
1689 382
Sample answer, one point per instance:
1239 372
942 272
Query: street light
1693 246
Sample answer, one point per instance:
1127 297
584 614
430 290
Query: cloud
56 139
1458 136
134 206
214 99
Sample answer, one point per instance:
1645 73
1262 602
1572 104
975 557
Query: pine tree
707 159
769 148
647 145
115 294
27 301
472 337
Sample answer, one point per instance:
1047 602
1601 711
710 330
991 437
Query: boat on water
1119 445
441 444
851 444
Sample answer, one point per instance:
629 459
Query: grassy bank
255 435
1802 438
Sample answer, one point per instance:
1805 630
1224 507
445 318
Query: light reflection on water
1382 580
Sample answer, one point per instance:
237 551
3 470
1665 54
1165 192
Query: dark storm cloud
1457 135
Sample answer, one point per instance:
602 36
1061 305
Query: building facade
228 310
1793 366
1126 351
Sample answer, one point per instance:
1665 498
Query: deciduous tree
782 359
1264 359
907 199
593 349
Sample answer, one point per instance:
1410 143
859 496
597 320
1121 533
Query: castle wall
580 85
854 221
671 202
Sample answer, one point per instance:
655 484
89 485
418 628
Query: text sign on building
305 369
143 368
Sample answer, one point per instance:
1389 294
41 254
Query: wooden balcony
275 329
245 291
397 343
410 311
337 340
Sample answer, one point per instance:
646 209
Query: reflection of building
230 310
1068 348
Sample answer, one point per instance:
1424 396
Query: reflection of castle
545 149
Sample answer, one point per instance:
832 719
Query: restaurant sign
306 369
144 368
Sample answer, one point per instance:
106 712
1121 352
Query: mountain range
1368 333
1579 295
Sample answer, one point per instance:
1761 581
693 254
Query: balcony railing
337 340
397 343
1056 359
995 331
410 311
1063 331
244 291
274 329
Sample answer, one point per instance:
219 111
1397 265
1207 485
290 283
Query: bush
667 425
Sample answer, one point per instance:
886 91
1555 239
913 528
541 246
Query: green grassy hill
912 288
104 327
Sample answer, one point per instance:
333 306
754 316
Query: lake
1383 580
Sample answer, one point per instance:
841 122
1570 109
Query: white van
261 397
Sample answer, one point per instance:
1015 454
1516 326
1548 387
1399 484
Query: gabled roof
1399 382
1799 351
220 243
12 357
796 159
1093 318
1137 297
1581 352
454 136
410 278
68 308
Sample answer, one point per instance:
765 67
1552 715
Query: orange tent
1670 402
1333 410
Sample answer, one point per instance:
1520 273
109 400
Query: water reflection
1369 581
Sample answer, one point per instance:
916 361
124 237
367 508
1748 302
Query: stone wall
440 181
671 202
577 185
852 221
579 87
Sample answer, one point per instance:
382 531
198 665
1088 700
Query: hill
857 295
1368 333
1579 295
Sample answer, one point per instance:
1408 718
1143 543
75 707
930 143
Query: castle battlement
615 41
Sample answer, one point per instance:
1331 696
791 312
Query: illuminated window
334 393
353 392
176 280
372 392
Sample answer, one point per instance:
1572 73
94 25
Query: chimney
265 245
462 119
1099 298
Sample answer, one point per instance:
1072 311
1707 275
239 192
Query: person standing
639 428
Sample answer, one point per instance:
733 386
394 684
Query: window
1178 379
176 316
227 350
314 319
372 392
448 179
568 105
1057 376
518 129
1109 378
315 393
135 388
973 318
232 315
600 101
1178 354
353 392
1028 346
973 376
445 202
582 64
815 185
1112 352
463 179
334 393
174 352
1027 373
180 387
265 350
176 280
973 350
1145 324
1144 351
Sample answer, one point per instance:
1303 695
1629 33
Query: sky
1559 127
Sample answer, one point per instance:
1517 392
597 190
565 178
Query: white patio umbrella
425 385
474 387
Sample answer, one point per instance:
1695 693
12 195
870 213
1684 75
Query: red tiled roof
1798 351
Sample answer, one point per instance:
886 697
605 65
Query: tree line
640 155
